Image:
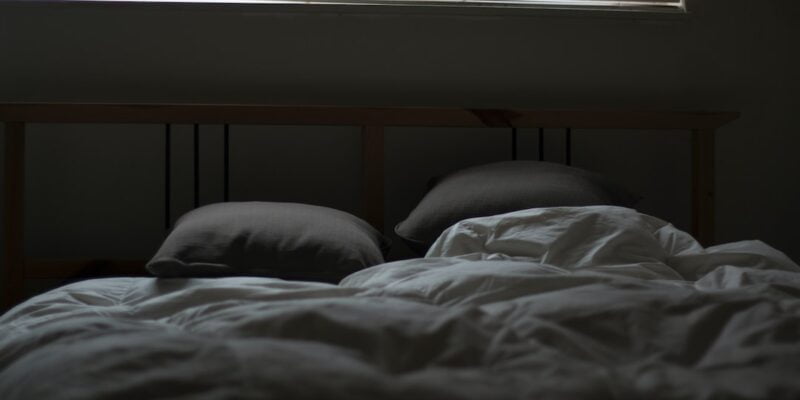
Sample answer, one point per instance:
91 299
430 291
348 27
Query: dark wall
724 55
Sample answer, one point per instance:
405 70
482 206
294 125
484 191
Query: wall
100 187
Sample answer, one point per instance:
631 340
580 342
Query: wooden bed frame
17 268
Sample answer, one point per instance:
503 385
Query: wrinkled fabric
564 303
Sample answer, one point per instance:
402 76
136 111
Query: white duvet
559 303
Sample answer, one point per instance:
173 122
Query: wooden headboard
17 268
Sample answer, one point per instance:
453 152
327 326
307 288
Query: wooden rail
362 116
17 268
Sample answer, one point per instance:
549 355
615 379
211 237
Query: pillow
283 240
504 187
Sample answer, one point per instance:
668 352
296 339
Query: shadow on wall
97 190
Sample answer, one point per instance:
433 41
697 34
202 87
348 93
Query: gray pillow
283 240
504 187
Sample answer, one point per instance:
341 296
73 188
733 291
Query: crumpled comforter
553 303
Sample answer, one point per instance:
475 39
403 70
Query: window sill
378 7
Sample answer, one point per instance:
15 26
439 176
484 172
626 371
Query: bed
578 301
514 306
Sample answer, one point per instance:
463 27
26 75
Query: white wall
726 55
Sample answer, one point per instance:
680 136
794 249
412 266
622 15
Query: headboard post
14 214
372 191
703 185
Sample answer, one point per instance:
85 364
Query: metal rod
196 165
226 164
568 146
514 143
541 144
167 175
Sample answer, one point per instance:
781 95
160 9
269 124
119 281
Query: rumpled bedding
553 303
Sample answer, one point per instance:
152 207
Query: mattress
562 303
